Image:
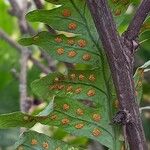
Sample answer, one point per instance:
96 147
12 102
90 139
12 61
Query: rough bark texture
120 54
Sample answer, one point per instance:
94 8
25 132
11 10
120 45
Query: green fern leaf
37 141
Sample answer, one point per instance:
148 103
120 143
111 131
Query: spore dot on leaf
86 57
65 121
71 41
81 77
54 117
58 39
79 111
73 76
72 26
66 13
53 87
91 92
72 54
60 87
96 117
78 90
96 132
82 43
92 77
60 51
69 88
45 145
66 107
33 142
79 126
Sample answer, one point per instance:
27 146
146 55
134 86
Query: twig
20 49
38 4
23 81
137 22
144 108
19 11
44 69
120 60
50 61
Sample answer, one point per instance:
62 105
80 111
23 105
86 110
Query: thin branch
20 49
50 61
38 4
137 22
145 108
19 11
23 81
20 14
44 69
15 11
120 60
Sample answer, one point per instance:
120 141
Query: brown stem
137 22
120 60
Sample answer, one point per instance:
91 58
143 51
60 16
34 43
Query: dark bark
119 52
135 25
